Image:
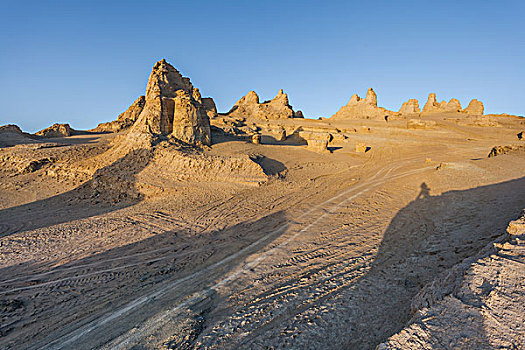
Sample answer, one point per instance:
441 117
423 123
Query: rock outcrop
125 119
358 108
10 128
56 130
410 108
477 304
172 107
475 107
432 106
12 135
250 107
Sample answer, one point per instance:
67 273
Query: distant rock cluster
475 107
358 108
277 108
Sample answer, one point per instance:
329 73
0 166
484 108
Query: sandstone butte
172 107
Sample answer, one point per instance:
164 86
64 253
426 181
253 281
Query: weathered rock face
298 114
250 107
125 119
409 108
56 130
173 107
453 106
358 108
475 107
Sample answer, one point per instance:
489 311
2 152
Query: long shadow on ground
111 188
424 239
54 303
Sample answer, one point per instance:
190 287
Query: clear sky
84 62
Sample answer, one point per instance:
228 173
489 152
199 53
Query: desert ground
340 233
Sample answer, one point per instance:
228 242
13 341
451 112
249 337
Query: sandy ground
328 252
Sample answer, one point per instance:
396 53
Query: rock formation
10 128
173 107
56 130
250 107
125 119
358 108
209 107
12 135
410 108
475 107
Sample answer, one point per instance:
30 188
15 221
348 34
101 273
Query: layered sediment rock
410 107
250 107
125 119
475 107
432 106
56 130
173 107
358 108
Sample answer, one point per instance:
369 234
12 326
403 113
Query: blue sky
84 62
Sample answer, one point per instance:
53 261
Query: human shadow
425 239
110 188
46 303
425 192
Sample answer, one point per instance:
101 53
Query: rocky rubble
477 304
499 150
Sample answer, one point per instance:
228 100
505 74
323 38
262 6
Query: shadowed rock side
125 119
250 107
477 304
358 108
11 135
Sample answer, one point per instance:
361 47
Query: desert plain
177 227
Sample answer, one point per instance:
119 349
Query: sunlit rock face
174 107
250 107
